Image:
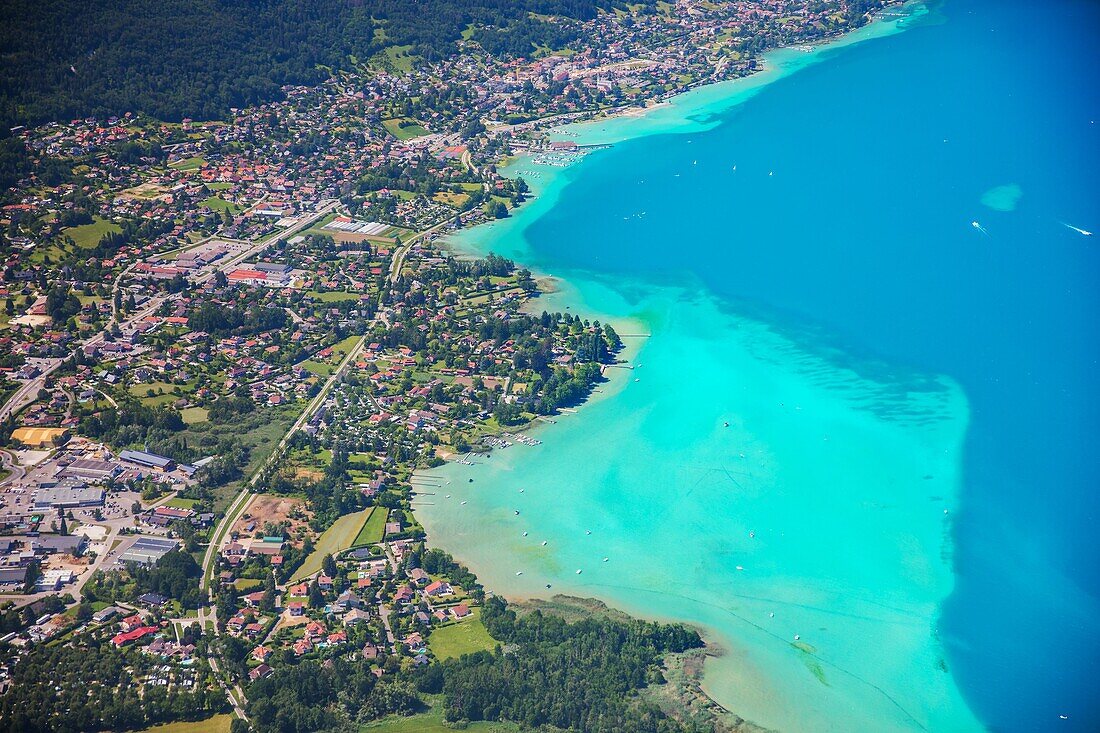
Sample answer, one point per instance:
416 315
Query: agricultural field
336 538
374 529
217 724
333 296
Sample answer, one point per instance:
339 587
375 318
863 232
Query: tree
316 597
328 565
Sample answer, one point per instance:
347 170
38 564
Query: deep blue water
879 159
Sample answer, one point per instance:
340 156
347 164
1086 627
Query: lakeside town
227 346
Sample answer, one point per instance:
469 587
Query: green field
179 503
408 132
432 722
217 724
336 538
333 296
87 236
187 164
192 415
217 203
465 637
374 529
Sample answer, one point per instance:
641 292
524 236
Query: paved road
245 496
15 471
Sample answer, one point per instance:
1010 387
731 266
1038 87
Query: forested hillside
172 59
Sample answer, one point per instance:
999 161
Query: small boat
740 567
463 501
448 496
517 512
519 572
524 534
588 531
578 571
605 559
752 533
1077 229
547 585
797 637
771 615
544 543
725 424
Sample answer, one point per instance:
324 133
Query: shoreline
676 115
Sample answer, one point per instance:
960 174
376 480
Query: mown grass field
217 724
193 415
432 722
374 529
217 203
406 132
339 536
187 164
465 637
333 296
87 236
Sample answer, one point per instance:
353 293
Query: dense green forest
172 59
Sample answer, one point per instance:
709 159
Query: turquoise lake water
895 529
